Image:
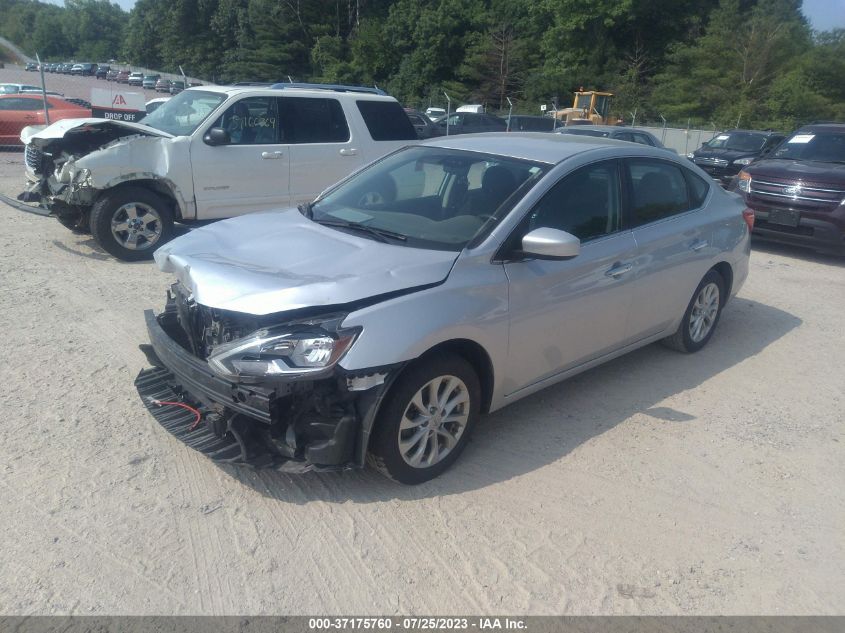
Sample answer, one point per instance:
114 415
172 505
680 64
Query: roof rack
241 84
334 87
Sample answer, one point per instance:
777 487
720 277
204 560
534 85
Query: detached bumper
293 427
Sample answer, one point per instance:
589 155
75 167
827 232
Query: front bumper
291 426
816 230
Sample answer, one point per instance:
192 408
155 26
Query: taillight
748 216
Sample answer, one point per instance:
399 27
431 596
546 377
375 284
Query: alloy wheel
434 421
704 312
136 226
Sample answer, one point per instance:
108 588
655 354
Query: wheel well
727 273
153 185
476 356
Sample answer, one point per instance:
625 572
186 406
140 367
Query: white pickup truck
208 153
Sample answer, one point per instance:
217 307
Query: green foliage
716 62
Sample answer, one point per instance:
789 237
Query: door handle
698 245
271 155
618 270
348 152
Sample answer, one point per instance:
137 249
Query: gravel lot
656 484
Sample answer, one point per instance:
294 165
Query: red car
19 110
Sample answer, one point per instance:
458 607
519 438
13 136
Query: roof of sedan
536 146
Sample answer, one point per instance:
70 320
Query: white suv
208 153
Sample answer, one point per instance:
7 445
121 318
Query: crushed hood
70 127
276 261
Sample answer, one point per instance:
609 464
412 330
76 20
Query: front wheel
426 419
131 222
701 316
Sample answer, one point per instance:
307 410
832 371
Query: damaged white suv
208 153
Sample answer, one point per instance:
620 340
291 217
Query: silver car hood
276 261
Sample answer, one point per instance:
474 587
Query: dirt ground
656 484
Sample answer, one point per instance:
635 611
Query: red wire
184 406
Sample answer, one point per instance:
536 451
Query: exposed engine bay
293 423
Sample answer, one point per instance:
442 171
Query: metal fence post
448 110
43 89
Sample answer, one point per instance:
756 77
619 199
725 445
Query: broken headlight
287 350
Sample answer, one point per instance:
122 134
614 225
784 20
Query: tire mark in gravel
472 590
339 562
197 551
103 552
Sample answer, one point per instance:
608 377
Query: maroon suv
798 191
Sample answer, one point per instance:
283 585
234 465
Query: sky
823 15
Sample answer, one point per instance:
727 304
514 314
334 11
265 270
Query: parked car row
107 73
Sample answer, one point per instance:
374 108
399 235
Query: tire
131 209
704 309
432 379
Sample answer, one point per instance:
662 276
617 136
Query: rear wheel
701 316
426 420
131 222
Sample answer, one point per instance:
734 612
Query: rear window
386 121
313 120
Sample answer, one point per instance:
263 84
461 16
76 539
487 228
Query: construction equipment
590 107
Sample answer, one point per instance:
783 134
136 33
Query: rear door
566 313
251 173
673 239
323 147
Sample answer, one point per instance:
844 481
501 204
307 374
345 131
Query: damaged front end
262 391
59 166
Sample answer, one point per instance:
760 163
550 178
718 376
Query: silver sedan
444 281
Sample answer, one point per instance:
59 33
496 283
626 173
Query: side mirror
548 243
216 136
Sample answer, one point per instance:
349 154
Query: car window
26 105
697 187
423 195
386 121
585 203
642 139
183 114
658 188
472 120
624 136
313 120
251 121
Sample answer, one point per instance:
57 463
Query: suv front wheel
426 419
131 222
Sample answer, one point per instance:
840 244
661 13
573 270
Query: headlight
744 182
744 161
690 155
286 350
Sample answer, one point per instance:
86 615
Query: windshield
428 197
738 142
182 114
826 147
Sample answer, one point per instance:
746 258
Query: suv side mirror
216 136
548 243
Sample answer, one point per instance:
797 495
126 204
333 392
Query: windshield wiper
307 209
380 234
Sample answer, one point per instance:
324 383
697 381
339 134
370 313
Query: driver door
252 172
564 313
